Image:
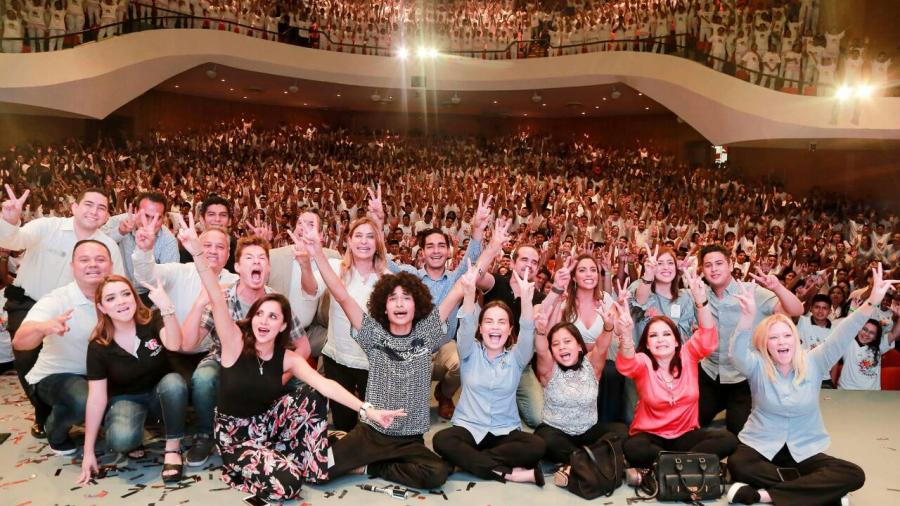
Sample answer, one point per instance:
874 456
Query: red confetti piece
101 494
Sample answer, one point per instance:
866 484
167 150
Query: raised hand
127 225
145 236
695 285
623 325
747 299
385 418
311 240
12 208
622 288
483 214
58 325
541 323
189 239
301 253
526 288
767 280
563 276
376 206
650 263
158 295
501 233
606 260
880 286
469 279
259 227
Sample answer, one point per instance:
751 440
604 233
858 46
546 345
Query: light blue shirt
681 311
727 312
784 412
165 248
488 399
441 287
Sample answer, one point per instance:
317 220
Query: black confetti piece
343 493
57 472
470 485
219 489
129 494
136 476
74 489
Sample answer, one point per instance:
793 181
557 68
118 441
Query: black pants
734 398
611 394
401 459
642 449
493 453
561 445
355 381
823 479
17 306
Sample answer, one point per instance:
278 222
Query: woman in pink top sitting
665 373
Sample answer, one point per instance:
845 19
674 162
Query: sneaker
200 450
741 493
845 501
63 449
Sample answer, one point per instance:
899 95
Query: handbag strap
679 466
590 454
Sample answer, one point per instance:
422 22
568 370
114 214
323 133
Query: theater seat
891 359
890 378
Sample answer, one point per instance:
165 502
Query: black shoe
539 476
63 449
37 431
200 450
178 475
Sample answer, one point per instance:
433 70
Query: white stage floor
865 429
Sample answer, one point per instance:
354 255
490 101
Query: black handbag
685 476
597 469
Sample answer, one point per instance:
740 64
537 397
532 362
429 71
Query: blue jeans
66 393
125 418
530 398
204 391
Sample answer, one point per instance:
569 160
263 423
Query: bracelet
608 329
169 311
699 306
557 291
362 411
645 282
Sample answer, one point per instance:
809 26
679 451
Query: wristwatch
557 291
362 411
705 302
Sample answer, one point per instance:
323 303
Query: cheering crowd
585 291
775 43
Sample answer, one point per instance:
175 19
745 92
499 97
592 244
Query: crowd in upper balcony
774 43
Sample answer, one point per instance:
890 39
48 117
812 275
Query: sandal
179 468
561 477
138 453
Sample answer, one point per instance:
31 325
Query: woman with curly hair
397 337
486 438
363 264
270 442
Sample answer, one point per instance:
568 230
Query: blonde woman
363 264
780 457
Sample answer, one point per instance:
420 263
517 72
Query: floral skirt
272 454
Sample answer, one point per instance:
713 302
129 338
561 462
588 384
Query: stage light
843 93
432 52
422 52
864 90
402 53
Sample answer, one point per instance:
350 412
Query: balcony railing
147 17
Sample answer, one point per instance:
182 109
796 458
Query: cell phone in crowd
253 500
787 473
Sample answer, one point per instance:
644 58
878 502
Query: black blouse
124 373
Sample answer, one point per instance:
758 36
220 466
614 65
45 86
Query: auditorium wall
16 129
872 175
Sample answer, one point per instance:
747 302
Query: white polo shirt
181 281
48 243
66 353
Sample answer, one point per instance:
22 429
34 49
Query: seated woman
486 438
570 374
785 433
270 443
862 358
397 335
127 370
665 373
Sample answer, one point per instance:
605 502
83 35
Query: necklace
261 362
670 385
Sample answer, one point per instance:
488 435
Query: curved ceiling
94 80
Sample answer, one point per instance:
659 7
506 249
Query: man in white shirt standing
58 329
815 328
48 244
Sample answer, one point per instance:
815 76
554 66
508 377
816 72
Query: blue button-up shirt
488 400
441 286
165 248
786 412
727 312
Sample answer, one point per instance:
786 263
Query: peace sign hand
563 275
259 227
880 286
12 208
376 206
145 236
189 239
469 279
747 299
501 233
696 286
58 325
767 280
127 224
526 288
650 263
158 295
483 213
301 254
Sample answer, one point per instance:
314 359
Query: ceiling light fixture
211 73
615 93
536 98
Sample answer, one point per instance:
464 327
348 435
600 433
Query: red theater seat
890 378
891 359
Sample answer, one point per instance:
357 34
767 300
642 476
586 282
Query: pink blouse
666 412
